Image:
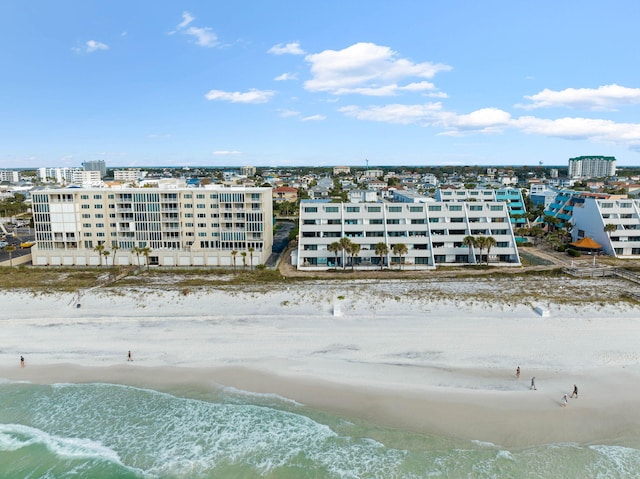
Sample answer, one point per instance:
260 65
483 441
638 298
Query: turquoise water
113 431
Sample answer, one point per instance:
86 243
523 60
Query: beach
356 378
433 358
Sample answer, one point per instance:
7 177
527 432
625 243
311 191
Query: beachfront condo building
511 196
181 226
592 167
433 234
591 217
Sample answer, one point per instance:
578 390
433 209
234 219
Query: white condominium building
432 232
592 215
592 167
181 227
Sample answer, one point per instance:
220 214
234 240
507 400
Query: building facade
10 176
182 227
592 167
511 196
96 165
432 232
592 215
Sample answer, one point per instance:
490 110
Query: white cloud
187 18
367 69
599 130
155 136
426 114
91 46
606 97
288 113
204 36
251 96
227 153
286 76
292 48
494 120
314 118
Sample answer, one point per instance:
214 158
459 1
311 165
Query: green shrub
573 253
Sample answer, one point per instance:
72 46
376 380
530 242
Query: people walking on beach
575 391
533 383
564 401
21 361
518 372
129 357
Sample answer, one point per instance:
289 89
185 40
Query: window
353 209
375 221
395 209
496 208
455 207
310 209
416 209
373 209
475 208
435 207
332 209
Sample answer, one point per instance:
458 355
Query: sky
318 83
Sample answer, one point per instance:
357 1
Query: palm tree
106 254
490 241
10 249
145 252
381 250
137 250
400 249
610 228
233 256
99 249
481 243
251 250
470 242
354 250
345 245
335 249
115 249
244 259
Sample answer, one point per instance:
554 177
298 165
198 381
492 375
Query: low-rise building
433 233
592 215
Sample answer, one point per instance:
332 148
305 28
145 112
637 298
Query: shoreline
515 418
436 359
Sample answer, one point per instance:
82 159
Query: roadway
21 235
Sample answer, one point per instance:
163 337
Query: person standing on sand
518 372
575 391
21 361
129 358
564 401
533 383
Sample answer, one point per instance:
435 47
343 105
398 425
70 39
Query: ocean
115 431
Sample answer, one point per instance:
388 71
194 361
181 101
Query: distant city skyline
282 84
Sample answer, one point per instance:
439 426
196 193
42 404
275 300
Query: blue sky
224 83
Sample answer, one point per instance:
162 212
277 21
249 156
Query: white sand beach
435 357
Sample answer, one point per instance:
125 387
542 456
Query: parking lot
15 237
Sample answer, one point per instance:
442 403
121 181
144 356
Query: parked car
27 244
3 244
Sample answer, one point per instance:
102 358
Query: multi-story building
511 196
86 178
182 227
61 176
432 232
591 217
128 175
592 167
248 170
337 170
10 176
96 165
